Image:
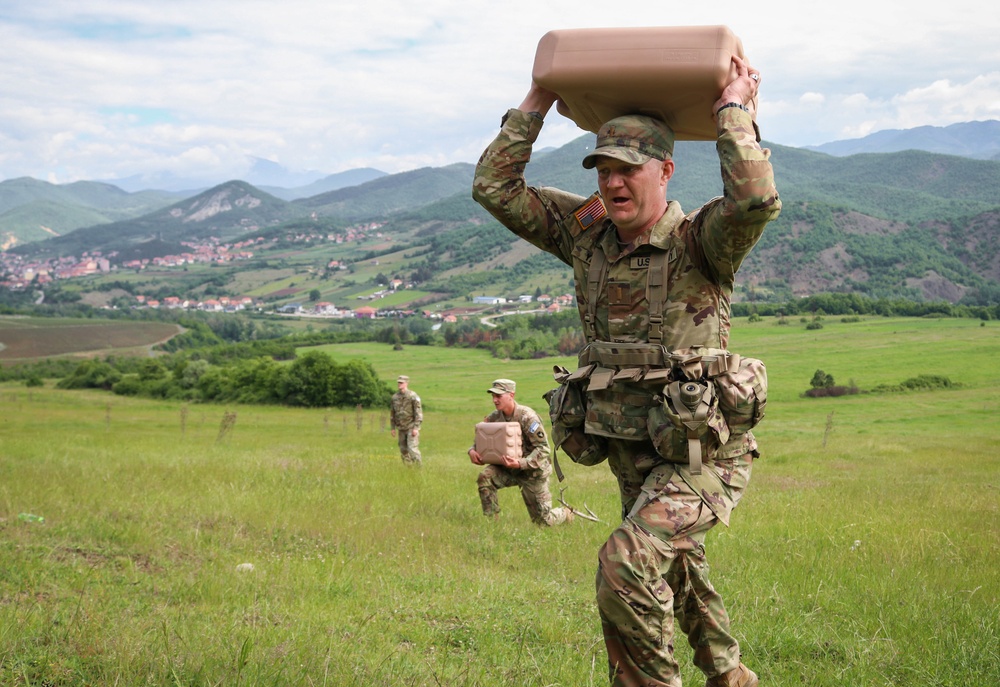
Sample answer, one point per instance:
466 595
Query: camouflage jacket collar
657 235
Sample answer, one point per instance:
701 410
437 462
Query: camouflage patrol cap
635 139
402 378
502 386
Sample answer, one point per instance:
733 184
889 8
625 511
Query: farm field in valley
26 338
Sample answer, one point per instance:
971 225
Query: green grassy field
865 552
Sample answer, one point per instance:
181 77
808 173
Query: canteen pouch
567 413
686 425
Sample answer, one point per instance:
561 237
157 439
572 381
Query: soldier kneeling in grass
529 469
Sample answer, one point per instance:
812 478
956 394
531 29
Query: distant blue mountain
333 182
264 174
978 140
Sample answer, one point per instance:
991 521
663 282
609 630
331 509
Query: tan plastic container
675 73
494 440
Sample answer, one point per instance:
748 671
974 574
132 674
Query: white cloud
120 87
944 102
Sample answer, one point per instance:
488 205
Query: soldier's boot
737 677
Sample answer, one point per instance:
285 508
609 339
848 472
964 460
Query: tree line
253 359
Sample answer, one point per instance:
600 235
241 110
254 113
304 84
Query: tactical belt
644 361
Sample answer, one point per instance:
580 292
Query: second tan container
675 73
494 440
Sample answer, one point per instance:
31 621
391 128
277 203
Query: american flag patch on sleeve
591 211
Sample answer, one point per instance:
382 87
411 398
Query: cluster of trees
521 337
856 304
239 358
312 380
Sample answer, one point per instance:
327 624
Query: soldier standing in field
650 280
405 416
530 471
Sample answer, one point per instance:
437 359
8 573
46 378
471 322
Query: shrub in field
356 383
835 390
91 374
918 383
309 381
821 380
823 385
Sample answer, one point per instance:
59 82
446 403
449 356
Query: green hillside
40 219
33 210
390 194
901 225
228 210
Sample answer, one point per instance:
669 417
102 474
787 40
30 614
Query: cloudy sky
107 89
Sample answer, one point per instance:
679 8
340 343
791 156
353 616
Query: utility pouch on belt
567 413
742 392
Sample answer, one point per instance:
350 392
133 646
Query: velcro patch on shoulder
590 212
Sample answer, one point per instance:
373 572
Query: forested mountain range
902 224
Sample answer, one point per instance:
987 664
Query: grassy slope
370 573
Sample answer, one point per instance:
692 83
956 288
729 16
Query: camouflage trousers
652 569
409 446
534 486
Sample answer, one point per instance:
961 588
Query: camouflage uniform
652 568
532 476
405 415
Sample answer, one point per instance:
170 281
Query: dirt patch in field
281 293
41 340
99 299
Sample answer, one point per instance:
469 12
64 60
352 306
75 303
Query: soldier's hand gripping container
672 73
494 440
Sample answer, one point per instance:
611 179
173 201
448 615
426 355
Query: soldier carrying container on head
406 415
653 286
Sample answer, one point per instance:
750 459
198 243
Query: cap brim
629 155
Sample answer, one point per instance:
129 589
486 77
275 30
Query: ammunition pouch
623 382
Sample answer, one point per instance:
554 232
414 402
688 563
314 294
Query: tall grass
865 552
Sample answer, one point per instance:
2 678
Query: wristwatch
739 105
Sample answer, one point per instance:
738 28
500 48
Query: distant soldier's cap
635 139
502 386
402 378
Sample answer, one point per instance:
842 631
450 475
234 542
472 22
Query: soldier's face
401 386
634 195
504 403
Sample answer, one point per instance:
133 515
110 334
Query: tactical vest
693 403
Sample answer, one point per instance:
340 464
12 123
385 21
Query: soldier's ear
667 170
